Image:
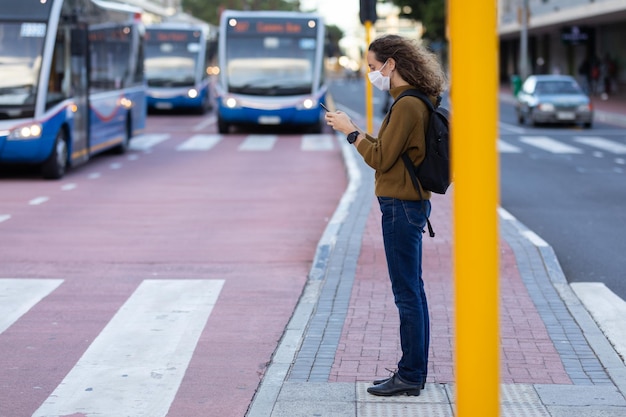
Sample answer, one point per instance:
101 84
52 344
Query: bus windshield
171 58
270 65
21 46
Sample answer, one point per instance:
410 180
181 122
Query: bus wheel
56 164
123 147
222 126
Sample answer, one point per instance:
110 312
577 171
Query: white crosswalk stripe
17 296
602 143
551 145
505 147
200 143
147 141
323 142
136 364
258 143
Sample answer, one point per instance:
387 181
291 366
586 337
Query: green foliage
432 14
209 10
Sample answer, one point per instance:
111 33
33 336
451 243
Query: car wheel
587 125
54 167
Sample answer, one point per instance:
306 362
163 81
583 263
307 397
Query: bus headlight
126 103
192 93
231 102
32 131
307 103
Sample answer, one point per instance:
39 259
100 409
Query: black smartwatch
352 137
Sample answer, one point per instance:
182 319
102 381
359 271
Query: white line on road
258 143
4 217
549 144
17 296
68 187
199 143
602 143
147 141
136 364
504 147
38 200
211 120
319 142
607 309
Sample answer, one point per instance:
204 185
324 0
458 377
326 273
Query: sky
341 13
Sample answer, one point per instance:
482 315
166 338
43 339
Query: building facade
577 37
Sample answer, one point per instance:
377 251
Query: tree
432 14
209 10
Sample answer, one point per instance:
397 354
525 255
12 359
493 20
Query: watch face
352 137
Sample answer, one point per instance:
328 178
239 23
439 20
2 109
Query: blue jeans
403 225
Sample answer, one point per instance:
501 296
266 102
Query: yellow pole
369 111
474 87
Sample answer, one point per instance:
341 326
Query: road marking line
94 175
17 296
147 141
206 122
602 143
504 147
258 143
607 309
4 217
38 200
136 364
115 165
200 143
549 144
318 142
68 187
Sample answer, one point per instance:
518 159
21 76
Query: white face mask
378 80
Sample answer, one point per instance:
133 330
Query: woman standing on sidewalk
398 64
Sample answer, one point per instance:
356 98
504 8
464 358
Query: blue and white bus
179 63
271 69
71 81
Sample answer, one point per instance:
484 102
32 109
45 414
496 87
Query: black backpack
433 173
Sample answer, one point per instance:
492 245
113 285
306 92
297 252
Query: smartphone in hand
323 106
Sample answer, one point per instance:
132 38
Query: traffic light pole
369 105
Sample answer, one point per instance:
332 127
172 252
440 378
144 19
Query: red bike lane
249 219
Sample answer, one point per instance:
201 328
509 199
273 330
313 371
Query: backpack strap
415 93
405 157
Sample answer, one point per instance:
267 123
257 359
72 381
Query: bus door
79 87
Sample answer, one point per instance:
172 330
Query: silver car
553 99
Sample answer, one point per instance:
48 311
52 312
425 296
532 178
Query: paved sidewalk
555 361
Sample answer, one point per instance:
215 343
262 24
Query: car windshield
557 87
21 46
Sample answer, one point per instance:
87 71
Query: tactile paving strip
437 400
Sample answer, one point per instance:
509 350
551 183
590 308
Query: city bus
271 69
179 63
71 81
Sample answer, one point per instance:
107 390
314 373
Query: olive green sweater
404 131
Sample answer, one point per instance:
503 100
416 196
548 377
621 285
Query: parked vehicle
553 99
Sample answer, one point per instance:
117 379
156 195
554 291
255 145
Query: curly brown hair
416 65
